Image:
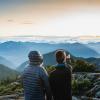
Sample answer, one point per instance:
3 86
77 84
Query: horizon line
50 36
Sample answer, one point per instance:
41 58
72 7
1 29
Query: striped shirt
35 81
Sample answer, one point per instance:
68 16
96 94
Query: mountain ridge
6 62
17 51
6 72
49 59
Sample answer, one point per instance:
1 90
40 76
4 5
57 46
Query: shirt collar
61 65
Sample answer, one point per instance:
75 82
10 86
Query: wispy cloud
10 20
27 22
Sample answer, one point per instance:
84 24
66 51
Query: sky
49 18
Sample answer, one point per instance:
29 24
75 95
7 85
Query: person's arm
44 77
69 83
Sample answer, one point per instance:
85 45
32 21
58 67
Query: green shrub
75 87
80 86
82 66
8 87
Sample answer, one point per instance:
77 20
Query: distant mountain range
22 66
17 52
95 46
49 59
6 73
14 54
6 62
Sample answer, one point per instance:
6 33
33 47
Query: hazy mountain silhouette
17 51
95 46
22 66
6 62
7 73
49 59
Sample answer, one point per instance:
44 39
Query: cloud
27 23
10 20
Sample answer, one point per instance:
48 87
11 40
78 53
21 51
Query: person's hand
68 56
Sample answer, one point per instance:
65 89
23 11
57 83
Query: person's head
60 56
35 58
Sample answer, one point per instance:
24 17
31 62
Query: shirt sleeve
44 77
69 81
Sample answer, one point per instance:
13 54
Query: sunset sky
49 17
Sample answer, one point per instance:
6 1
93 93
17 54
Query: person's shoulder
26 68
42 69
69 67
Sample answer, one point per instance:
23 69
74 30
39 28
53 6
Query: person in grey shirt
35 79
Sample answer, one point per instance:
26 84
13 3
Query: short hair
60 56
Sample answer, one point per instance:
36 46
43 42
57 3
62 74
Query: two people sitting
38 85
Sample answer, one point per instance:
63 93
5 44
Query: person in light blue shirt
35 79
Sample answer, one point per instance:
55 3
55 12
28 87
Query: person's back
35 80
60 81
